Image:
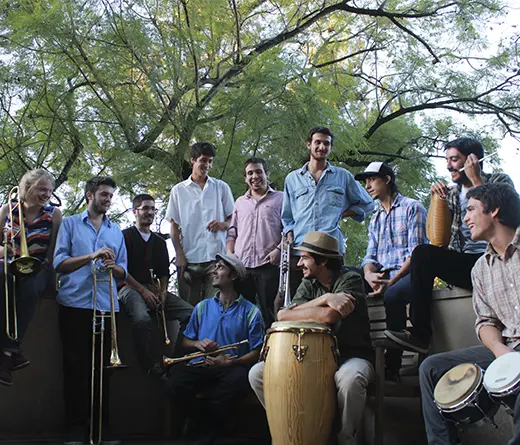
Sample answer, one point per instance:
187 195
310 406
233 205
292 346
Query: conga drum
300 394
438 222
461 398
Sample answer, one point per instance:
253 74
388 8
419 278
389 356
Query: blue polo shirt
240 321
76 237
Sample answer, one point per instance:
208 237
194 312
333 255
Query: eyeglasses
147 209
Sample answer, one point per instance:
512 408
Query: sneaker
6 377
407 340
19 361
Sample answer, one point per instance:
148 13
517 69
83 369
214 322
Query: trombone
171 361
98 329
156 285
23 266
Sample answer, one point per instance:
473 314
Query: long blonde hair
31 178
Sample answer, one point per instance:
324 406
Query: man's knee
351 377
256 376
422 253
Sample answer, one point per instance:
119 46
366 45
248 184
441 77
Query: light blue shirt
242 320
311 207
77 236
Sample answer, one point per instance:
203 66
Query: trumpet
156 285
284 287
171 361
98 329
24 265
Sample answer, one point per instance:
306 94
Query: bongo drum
299 390
460 398
502 379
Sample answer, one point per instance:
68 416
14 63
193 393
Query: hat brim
361 176
318 251
240 271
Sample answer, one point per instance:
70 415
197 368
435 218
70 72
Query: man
318 195
147 255
395 229
199 211
493 215
227 318
82 239
254 235
454 264
330 294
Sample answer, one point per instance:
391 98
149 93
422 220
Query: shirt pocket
401 235
301 197
335 196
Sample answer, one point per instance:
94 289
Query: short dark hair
502 196
333 264
93 184
322 130
466 146
255 161
137 201
202 148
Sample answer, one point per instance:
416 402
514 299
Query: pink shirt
256 226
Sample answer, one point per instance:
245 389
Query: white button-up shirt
193 208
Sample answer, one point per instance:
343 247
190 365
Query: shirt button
511 284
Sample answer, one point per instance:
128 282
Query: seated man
227 318
493 215
333 295
147 256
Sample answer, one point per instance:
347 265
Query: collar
84 217
491 254
305 168
395 203
189 181
248 193
237 301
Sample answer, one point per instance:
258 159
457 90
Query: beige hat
320 243
234 262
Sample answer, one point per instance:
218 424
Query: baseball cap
380 169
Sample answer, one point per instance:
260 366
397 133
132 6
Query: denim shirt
76 237
309 207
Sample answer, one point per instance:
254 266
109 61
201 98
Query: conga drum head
503 375
456 388
294 326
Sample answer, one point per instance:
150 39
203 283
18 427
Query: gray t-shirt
470 246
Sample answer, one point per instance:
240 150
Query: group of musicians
227 257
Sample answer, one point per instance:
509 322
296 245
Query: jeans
260 287
351 379
438 430
29 290
427 263
201 287
135 306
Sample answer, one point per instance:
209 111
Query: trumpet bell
25 266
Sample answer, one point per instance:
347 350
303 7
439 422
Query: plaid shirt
392 236
456 239
496 291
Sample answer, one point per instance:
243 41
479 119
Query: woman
41 227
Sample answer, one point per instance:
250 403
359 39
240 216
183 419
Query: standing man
82 239
454 264
318 195
225 319
147 256
333 295
254 236
492 215
199 211
396 228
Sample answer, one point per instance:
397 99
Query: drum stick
482 159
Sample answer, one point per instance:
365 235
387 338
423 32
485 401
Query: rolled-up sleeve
417 229
172 211
486 316
357 199
63 244
232 232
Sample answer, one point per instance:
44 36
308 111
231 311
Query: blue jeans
139 312
28 291
438 430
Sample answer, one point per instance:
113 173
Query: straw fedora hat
320 243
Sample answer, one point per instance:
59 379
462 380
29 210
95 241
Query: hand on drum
221 360
342 302
206 345
439 188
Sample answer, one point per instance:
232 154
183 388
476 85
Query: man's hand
104 253
439 188
215 226
290 238
273 257
181 263
472 169
502 349
150 298
221 360
343 303
10 250
206 345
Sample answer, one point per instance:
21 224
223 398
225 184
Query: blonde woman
42 221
